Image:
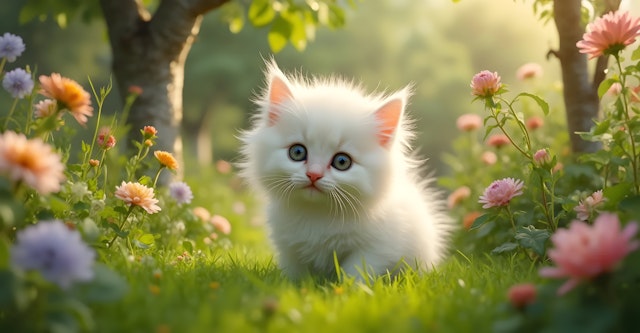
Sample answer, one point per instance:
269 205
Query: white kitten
334 168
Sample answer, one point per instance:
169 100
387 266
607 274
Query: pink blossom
457 196
528 71
221 224
489 158
583 252
469 122
485 84
588 206
534 123
500 192
498 140
521 295
609 34
541 157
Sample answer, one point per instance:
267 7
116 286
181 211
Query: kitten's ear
388 117
279 92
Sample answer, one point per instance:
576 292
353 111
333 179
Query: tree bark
580 94
149 51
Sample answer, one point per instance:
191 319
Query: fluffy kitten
333 165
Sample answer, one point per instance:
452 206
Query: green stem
495 116
121 226
13 107
157 176
625 107
513 222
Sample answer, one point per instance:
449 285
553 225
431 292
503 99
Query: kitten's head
323 144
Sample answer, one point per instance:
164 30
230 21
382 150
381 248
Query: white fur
380 214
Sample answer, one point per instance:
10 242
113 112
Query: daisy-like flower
69 94
57 252
180 192
166 159
11 46
589 205
30 161
45 108
18 83
609 34
500 192
138 195
529 71
469 122
583 252
485 84
498 140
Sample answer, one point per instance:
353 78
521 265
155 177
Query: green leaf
145 241
261 12
616 193
480 221
188 246
336 17
506 247
544 106
531 238
635 56
631 206
298 37
605 85
7 282
279 34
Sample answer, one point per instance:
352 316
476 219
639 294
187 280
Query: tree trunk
580 94
149 51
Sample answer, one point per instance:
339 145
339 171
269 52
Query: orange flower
467 220
149 132
458 196
30 161
166 159
138 195
69 94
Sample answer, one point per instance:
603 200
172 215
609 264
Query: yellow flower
69 93
166 159
138 195
30 161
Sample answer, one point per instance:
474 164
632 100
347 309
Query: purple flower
500 192
180 192
57 252
11 46
18 83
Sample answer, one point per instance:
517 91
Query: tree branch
123 16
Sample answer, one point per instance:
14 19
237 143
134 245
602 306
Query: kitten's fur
377 212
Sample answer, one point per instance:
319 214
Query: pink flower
528 71
138 195
583 252
105 140
498 140
46 108
541 157
588 206
469 122
534 123
500 192
457 196
615 89
221 224
521 295
489 158
609 34
485 84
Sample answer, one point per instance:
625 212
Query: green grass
238 288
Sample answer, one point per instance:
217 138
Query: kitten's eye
341 161
297 152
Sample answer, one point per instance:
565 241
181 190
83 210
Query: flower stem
121 226
13 108
157 176
625 111
513 222
495 116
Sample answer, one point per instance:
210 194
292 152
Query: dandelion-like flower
180 192
589 205
69 94
166 159
18 83
500 192
485 84
609 34
529 71
138 195
11 46
469 122
583 252
30 161
57 252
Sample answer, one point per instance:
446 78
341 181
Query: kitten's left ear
279 92
388 117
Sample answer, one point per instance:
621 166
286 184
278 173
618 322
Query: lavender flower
18 83
55 251
180 192
11 46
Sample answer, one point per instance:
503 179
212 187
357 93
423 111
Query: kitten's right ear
279 92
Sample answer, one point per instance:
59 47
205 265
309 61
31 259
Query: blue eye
297 152
341 161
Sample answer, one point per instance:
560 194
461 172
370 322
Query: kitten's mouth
313 188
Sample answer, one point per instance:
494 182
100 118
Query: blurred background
437 45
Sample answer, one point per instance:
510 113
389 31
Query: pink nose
313 176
